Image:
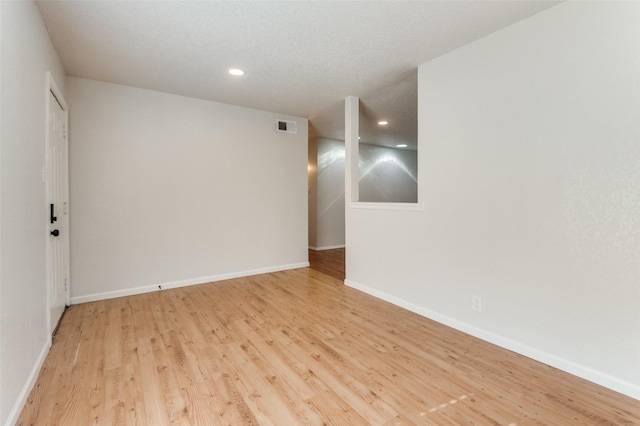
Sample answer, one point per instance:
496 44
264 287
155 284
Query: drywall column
351 118
351 172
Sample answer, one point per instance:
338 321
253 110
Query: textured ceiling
301 57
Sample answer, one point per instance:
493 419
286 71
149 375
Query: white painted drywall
529 152
169 190
388 175
312 189
26 54
330 205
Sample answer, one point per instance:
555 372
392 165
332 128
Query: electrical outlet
476 303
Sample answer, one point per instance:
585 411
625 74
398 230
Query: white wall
26 54
330 204
312 183
529 153
168 190
388 175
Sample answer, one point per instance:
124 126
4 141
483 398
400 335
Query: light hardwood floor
330 262
288 348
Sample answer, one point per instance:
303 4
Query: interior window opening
388 143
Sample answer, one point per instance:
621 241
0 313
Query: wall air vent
286 126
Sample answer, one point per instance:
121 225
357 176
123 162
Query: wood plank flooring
330 262
289 348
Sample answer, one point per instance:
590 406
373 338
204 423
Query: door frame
52 87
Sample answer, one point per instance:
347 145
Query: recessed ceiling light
236 71
402 145
382 123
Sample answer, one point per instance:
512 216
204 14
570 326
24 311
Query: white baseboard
26 389
182 283
581 371
327 247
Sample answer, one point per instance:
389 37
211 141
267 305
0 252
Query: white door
57 206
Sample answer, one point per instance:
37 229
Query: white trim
182 283
387 206
53 87
327 247
581 371
28 386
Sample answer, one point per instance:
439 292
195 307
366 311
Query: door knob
55 232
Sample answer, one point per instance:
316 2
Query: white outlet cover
476 303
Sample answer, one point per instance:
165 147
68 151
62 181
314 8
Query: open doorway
386 160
